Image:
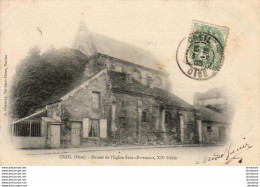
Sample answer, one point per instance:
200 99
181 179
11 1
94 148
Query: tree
40 77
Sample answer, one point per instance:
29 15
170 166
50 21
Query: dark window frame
96 105
145 116
209 128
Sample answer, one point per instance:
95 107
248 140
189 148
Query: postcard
171 83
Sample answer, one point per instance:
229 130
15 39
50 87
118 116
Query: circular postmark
203 56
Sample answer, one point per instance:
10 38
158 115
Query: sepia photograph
129 83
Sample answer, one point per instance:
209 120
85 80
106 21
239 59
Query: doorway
76 133
54 132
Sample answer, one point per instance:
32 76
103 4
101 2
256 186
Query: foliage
39 77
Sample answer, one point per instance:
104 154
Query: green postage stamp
205 50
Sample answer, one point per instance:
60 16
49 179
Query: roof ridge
136 87
91 42
92 76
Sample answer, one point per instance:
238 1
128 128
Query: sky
157 26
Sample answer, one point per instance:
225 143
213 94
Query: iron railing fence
27 128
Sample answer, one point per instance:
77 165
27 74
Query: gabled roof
119 83
72 88
92 43
83 82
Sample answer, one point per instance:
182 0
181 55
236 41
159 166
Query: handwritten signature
228 154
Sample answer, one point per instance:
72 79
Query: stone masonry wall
78 106
98 62
130 130
211 133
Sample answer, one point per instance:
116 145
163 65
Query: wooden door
76 133
55 135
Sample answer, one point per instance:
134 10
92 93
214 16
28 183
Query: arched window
158 82
144 116
167 118
137 75
168 122
112 67
149 80
122 119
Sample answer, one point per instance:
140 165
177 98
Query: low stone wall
29 142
